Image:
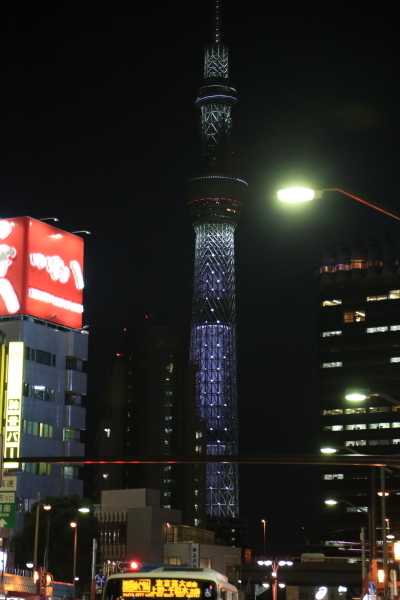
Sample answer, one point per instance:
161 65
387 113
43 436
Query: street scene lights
74 525
275 564
264 522
332 502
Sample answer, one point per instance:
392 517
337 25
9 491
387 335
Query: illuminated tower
214 198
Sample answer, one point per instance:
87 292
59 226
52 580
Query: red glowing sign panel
41 271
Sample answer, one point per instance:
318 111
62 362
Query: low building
133 526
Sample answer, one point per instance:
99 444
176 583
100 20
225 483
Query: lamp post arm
354 506
388 398
372 204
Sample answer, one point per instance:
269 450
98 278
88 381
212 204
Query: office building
214 198
43 356
150 411
359 352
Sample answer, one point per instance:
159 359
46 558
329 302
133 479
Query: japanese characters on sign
41 271
7 501
160 588
12 427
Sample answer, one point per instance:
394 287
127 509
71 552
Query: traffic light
130 566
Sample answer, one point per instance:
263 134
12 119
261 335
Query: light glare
331 502
328 450
356 397
296 194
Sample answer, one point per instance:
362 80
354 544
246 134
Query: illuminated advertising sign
41 271
13 421
161 588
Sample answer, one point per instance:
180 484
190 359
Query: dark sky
99 128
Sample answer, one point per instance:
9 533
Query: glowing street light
332 502
275 564
264 522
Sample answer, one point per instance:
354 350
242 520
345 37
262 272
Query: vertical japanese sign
194 555
8 488
13 421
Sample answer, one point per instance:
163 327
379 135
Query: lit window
331 302
354 316
331 365
332 411
376 298
395 328
107 432
396 441
355 411
379 425
199 434
375 409
330 476
377 329
198 449
359 426
379 442
333 428
394 294
356 443
357 264
395 425
330 333
395 359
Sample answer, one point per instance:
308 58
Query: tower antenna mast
214 199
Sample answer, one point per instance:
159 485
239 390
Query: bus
170 582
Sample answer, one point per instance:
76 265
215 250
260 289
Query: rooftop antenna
217 23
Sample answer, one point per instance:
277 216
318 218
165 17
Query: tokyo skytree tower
214 198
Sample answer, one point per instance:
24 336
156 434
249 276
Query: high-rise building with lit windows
150 411
43 353
214 198
359 351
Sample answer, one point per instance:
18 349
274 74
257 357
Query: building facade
150 411
133 526
359 352
214 199
43 357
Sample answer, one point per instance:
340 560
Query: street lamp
362 535
74 525
300 194
48 507
264 522
275 564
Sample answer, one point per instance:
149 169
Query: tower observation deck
214 199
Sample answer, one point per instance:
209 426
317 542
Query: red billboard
41 271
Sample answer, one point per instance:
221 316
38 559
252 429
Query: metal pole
363 564
46 561
35 546
75 548
93 587
384 540
372 526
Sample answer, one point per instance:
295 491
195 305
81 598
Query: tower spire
217 23
214 199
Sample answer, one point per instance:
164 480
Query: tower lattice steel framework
214 199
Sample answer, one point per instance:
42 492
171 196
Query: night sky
99 128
